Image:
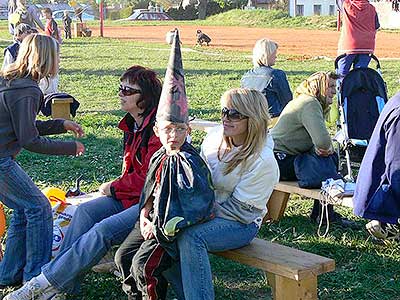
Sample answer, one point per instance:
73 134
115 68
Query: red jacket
137 154
360 23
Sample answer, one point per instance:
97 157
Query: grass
90 70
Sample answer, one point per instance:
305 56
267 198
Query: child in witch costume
177 193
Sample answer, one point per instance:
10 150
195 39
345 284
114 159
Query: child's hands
105 188
146 227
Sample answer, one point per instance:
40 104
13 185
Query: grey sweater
20 101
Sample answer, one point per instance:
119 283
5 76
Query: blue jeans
30 232
359 61
194 244
96 226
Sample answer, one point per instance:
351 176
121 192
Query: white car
147 15
58 15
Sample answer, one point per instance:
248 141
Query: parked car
147 15
4 14
58 15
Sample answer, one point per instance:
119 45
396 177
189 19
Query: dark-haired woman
106 221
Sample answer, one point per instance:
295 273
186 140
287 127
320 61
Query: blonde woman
271 82
244 172
30 231
301 129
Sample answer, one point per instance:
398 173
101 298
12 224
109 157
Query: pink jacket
360 23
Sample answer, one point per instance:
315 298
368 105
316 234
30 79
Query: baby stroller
361 97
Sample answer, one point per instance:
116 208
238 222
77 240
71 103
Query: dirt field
308 43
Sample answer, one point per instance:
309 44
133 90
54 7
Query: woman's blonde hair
37 58
317 85
252 104
262 50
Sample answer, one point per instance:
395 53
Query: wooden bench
60 108
291 273
280 196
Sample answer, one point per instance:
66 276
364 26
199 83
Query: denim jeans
30 231
194 244
96 226
357 60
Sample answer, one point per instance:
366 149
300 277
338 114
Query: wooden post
60 108
101 12
277 205
284 288
78 28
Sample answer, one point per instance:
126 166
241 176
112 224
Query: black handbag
311 169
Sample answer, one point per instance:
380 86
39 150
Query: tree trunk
202 8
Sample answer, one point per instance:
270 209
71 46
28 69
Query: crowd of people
172 205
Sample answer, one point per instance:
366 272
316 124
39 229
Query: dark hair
150 85
47 10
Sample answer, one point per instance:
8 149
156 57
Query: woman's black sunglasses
128 91
232 114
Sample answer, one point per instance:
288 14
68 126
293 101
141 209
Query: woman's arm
313 121
284 91
257 184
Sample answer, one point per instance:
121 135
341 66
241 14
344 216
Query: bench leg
288 289
277 205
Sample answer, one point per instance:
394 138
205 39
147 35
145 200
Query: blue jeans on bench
194 244
30 232
96 226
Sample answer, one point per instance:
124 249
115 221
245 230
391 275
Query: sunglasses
128 91
232 114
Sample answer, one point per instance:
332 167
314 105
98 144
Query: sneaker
33 289
383 231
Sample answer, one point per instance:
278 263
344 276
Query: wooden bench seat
278 201
291 273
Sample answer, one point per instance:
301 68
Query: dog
202 38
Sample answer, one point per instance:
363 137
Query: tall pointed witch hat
173 105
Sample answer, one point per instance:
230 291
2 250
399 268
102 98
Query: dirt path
308 43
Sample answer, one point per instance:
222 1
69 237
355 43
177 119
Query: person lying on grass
99 224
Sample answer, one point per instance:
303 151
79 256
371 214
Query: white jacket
242 197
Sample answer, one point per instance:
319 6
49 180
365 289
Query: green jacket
301 127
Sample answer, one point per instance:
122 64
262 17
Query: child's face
172 135
47 15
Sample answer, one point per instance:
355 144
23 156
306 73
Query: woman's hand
323 152
74 127
105 188
80 148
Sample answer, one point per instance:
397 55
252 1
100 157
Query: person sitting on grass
99 224
178 193
244 172
30 232
271 82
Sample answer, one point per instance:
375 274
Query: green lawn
90 69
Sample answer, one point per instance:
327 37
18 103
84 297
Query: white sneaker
34 289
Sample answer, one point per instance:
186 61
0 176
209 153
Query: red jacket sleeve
129 186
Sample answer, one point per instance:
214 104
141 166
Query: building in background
312 8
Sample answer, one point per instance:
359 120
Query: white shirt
253 186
